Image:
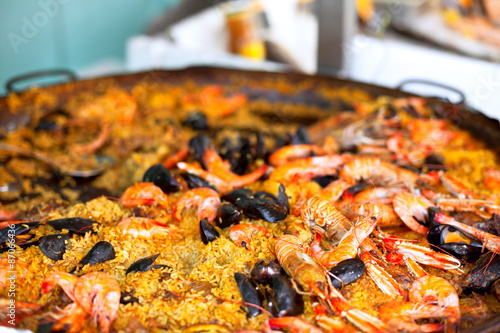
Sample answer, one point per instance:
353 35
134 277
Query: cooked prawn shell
205 199
144 194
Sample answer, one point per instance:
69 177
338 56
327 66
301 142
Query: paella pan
212 200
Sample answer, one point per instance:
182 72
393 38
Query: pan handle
70 77
435 84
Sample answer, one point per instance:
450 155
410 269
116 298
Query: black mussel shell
491 226
495 289
161 177
288 301
227 215
469 249
241 157
259 208
23 241
75 225
347 271
142 265
355 189
484 273
197 121
323 181
236 194
265 195
45 327
194 181
250 293
263 271
101 252
434 162
197 146
431 213
127 298
283 198
260 146
301 137
226 149
54 246
271 301
207 232
17 229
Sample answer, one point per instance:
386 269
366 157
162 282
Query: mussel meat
450 240
161 177
54 246
250 293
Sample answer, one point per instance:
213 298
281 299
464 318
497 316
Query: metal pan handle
70 77
435 84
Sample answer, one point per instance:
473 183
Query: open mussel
75 225
250 293
450 240
15 230
144 265
347 271
263 271
161 177
207 232
54 246
227 215
128 298
101 252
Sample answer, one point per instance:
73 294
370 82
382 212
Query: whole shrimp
348 246
145 227
206 199
94 293
322 217
309 167
293 152
144 194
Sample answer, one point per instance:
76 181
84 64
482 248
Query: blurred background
454 43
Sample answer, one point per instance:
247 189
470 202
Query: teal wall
42 34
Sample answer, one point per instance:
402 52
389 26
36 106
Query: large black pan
482 127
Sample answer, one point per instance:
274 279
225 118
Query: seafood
145 227
241 234
227 215
308 168
483 274
53 246
74 225
450 240
289 153
207 232
161 177
410 208
322 217
142 265
263 271
288 301
489 241
379 275
144 194
348 246
346 272
262 208
205 199
378 171
250 293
